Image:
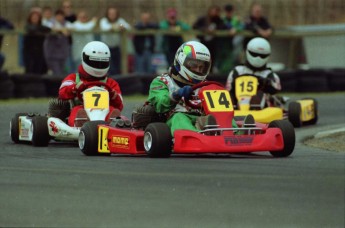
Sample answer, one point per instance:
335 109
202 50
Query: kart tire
14 127
40 133
88 138
294 114
316 111
289 137
158 140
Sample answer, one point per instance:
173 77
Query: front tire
88 138
14 127
40 133
289 137
158 140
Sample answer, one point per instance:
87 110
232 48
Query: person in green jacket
167 92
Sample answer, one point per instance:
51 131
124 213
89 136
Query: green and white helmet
192 62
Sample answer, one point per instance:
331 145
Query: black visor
96 62
197 66
258 55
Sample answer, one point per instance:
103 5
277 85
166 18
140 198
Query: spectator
209 24
68 11
257 23
34 61
82 24
4 24
112 22
47 16
56 45
170 43
144 45
70 17
229 52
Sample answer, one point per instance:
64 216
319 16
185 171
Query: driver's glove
185 92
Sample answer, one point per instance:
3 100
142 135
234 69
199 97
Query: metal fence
279 12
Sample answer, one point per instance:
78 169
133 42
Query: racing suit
269 82
68 91
178 114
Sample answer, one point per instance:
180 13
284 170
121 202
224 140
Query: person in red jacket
94 68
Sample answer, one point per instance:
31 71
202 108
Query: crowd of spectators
52 44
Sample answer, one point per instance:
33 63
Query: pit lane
59 186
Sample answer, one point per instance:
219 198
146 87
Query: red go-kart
156 140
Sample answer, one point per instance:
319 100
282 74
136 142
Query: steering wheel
197 86
86 85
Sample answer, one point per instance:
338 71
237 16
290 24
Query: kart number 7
96 99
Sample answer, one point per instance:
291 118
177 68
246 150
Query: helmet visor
258 55
197 66
96 62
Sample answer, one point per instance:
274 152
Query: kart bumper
193 142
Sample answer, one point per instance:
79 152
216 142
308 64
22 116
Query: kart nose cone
147 141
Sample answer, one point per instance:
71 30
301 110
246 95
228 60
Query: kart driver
167 92
257 54
94 67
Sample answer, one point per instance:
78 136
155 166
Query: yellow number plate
246 86
218 100
103 140
96 99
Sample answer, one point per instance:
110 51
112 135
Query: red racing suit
67 89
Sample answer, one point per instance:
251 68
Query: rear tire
294 114
88 138
40 133
158 140
14 127
289 137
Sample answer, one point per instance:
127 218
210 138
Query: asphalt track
58 186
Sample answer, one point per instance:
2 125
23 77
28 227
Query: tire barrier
29 85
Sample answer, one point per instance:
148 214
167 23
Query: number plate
96 99
218 100
246 86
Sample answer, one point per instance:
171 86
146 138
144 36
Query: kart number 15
218 100
96 100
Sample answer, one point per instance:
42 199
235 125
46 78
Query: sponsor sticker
238 140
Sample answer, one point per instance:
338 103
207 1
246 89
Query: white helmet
258 52
192 62
95 58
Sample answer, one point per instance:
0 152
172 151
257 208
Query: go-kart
156 140
64 118
266 108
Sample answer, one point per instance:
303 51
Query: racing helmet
96 58
258 52
192 63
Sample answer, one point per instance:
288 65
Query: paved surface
58 186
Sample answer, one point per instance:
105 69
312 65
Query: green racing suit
180 116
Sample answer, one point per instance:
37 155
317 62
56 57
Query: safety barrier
29 85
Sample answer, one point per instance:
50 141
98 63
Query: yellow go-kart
266 108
